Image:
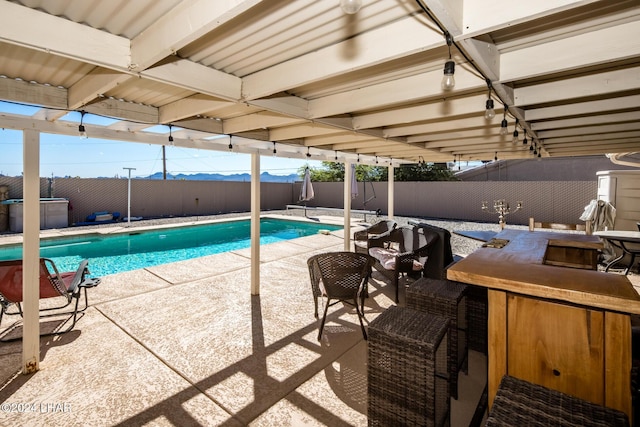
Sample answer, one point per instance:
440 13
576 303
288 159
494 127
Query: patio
187 344
242 77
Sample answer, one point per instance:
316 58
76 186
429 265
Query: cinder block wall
557 201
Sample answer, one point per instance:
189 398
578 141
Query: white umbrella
306 193
354 182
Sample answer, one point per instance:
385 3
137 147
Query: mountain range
242 177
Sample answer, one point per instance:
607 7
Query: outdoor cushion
387 258
360 243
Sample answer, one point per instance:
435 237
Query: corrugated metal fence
557 201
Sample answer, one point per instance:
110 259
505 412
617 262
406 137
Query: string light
515 133
503 125
489 106
448 81
275 152
350 6
489 112
81 129
170 136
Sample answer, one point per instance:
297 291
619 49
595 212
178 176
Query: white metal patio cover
322 83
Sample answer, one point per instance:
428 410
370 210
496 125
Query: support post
390 194
31 252
347 206
255 223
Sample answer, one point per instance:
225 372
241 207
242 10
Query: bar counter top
519 267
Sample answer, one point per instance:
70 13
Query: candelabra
502 208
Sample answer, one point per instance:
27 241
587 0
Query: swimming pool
116 253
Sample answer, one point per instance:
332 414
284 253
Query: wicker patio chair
339 276
375 231
404 251
521 403
67 286
441 256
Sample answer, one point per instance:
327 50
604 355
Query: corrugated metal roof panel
120 17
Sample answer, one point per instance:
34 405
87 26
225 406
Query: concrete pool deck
186 344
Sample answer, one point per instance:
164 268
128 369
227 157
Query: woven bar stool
407 369
448 299
521 403
477 318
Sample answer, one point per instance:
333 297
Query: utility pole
164 163
129 196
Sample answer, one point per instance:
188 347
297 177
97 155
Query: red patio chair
67 286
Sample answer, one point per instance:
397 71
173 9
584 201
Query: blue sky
89 158
62 155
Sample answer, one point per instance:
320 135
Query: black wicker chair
521 403
441 255
339 276
411 246
375 231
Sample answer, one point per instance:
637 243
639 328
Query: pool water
110 254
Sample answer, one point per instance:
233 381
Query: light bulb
448 81
83 132
489 113
515 136
81 129
503 127
350 6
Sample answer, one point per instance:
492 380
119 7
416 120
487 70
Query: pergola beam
396 40
187 22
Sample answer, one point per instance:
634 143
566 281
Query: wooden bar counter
553 319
